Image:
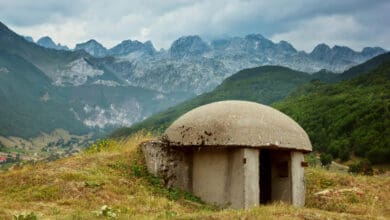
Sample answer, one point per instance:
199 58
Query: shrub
312 159
362 167
326 160
100 145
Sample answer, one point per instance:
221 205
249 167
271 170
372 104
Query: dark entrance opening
265 176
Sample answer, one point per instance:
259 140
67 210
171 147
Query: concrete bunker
233 154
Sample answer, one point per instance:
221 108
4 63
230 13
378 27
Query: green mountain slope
365 67
352 116
265 84
25 111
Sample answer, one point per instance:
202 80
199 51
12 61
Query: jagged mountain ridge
92 47
337 58
124 48
190 46
192 64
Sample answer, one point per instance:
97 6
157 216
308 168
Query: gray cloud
304 23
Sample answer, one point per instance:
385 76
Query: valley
90 91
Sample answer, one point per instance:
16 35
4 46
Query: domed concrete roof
235 124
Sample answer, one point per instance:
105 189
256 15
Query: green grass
115 175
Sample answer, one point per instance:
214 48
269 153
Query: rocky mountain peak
255 37
320 51
258 42
92 47
49 43
321 48
188 46
129 46
286 46
372 51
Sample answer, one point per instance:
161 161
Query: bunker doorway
265 176
274 176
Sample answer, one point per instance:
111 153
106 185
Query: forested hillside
346 117
350 117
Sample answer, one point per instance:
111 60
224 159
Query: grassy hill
265 84
113 174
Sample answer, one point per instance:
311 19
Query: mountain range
194 65
338 58
43 90
92 89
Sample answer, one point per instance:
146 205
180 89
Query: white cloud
335 29
303 22
68 32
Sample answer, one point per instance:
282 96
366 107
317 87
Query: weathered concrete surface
236 183
227 177
211 176
297 179
251 178
237 123
173 166
281 176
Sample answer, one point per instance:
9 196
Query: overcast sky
304 23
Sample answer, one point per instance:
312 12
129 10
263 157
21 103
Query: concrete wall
172 165
297 178
281 176
211 176
251 177
236 180
227 177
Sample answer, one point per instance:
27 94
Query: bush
379 155
312 159
99 146
362 167
326 160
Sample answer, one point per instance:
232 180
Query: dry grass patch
112 173
338 192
